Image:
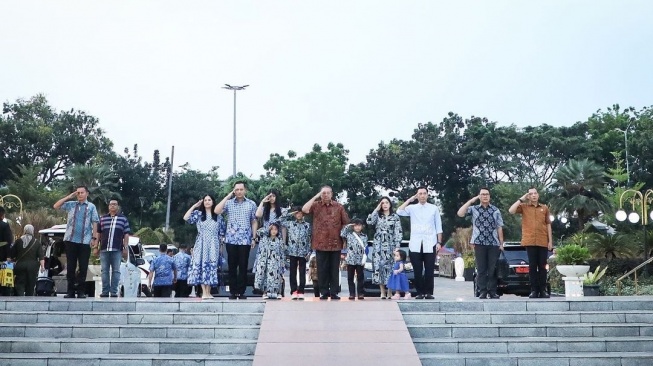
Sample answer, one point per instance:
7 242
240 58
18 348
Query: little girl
269 267
398 280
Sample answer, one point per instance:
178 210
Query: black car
512 271
373 290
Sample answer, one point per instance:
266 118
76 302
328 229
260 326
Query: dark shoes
81 296
324 297
242 297
482 295
493 296
533 295
233 297
544 295
335 297
69 296
361 297
352 297
104 295
114 295
429 297
419 297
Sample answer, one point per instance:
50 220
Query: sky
355 72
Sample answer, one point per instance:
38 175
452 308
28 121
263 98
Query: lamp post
626 143
645 199
235 88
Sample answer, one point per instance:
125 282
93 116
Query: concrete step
131 305
122 317
129 346
49 330
532 317
539 359
69 359
530 330
534 345
605 303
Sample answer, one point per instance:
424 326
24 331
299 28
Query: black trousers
297 263
424 267
162 291
537 257
328 271
486 264
76 252
237 258
181 288
355 270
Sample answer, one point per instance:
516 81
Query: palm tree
613 246
579 189
101 181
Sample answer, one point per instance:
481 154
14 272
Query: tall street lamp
626 143
235 88
644 199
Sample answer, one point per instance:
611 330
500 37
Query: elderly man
79 238
114 239
487 239
329 217
425 234
536 237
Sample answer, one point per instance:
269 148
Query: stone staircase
518 332
147 332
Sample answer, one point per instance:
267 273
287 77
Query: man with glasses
114 239
487 240
81 226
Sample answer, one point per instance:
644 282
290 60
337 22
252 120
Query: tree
34 133
579 190
100 180
300 178
25 184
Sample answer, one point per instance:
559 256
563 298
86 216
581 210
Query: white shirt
425 225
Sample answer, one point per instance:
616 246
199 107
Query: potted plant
470 264
571 260
591 281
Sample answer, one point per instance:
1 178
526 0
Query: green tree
300 178
101 181
34 133
25 184
579 190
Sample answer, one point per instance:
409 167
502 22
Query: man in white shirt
425 235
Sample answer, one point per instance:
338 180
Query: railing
634 270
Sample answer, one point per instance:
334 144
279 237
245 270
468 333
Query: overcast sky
356 72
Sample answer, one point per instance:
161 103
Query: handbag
363 246
7 274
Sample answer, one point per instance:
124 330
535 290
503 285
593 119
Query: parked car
134 270
512 271
153 249
373 290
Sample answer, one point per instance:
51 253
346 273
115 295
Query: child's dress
268 273
398 282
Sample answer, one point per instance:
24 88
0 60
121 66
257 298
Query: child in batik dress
268 273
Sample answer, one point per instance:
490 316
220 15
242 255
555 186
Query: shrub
572 254
147 236
593 278
612 246
469 259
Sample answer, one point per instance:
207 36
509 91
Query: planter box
468 273
591 290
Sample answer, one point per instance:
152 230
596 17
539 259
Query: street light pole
626 143
235 88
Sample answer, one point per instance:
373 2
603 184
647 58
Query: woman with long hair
204 262
387 238
269 209
28 255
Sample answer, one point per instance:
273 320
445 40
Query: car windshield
516 256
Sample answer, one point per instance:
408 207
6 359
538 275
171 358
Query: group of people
284 234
